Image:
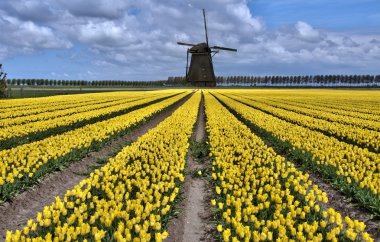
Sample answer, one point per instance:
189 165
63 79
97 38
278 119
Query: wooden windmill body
201 70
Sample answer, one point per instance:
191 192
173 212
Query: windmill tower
201 70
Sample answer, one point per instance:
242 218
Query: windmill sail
223 48
204 19
183 43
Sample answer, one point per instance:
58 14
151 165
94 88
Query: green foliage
200 149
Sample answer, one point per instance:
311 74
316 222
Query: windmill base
203 83
201 72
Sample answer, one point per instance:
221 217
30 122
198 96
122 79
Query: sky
136 40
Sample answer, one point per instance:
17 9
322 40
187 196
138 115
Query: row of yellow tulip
65 110
356 106
354 119
354 101
360 136
259 196
130 197
329 108
23 130
21 164
351 162
19 111
30 103
28 106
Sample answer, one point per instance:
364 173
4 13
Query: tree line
307 80
259 81
291 81
82 83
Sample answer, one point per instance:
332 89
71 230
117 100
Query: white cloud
348 42
96 8
104 33
243 14
26 36
307 32
34 10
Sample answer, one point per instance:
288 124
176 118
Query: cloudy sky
136 40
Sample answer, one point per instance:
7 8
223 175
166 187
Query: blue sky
135 40
349 15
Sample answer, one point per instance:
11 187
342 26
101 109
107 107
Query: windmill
201 70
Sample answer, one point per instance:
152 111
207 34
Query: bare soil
193 223
16 212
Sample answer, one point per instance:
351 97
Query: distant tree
3 82
276 80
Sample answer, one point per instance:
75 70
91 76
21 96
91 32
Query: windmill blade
223 48
187 44
204 19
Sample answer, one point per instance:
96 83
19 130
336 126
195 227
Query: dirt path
192 223
15 213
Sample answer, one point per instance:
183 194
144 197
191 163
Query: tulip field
262 147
